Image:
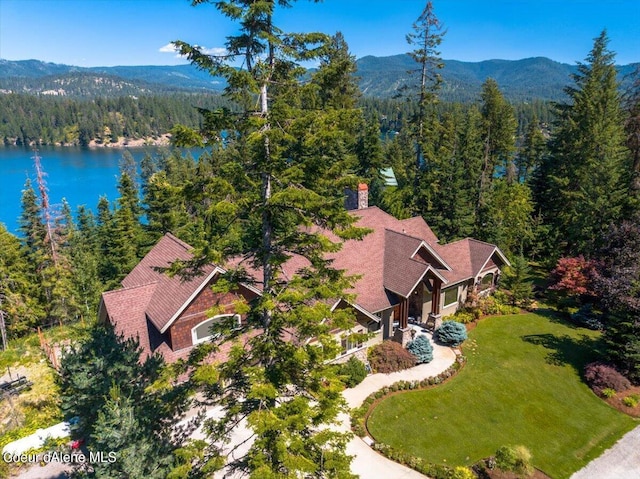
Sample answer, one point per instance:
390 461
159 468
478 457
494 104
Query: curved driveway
367 463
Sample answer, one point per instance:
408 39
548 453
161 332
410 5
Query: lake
80 175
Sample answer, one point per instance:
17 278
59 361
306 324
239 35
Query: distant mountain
520 80
33 76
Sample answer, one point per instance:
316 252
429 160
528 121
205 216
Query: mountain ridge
383 77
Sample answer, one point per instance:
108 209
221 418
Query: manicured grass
521 385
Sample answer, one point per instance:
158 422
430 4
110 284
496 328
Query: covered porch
422 308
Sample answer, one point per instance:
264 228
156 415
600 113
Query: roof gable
172 293
126 310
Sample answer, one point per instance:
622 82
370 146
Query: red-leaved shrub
573 276
389 356
602 376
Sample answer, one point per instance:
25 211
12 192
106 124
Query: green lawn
521 385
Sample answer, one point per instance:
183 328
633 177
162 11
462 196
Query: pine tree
508 216
286 160
532 151
632 129
18 291
516 279
127 236
499 138
122 405
586 175
48 263
427 36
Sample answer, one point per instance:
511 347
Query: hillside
520 80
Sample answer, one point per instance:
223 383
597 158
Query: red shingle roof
172 292
126 309
466 258
401 272
390 261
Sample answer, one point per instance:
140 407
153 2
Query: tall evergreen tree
632 127
427 36
123 406
587 173
127 236
616 283
532 152
499 139
18 290
287 160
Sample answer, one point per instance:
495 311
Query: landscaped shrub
601 376
465 317
608 392
435 471
451 333
587 317
631 400
496 305
389 357
514 459
461 472
421 348
353 371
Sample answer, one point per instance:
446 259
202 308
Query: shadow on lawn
576 352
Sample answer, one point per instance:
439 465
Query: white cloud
215 51
168 48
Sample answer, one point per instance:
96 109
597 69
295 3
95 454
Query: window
353 341
450 296
202 332
486 282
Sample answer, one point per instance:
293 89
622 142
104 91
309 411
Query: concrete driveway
622 461
367 463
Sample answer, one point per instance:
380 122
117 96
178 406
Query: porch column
436 295
403 310
403 335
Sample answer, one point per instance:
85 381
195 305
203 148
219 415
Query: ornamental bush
600 376
451 333
421 348
514 459
587 317
631 400
461 472
353 372
389 357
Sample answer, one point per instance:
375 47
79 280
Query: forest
557 184
30 120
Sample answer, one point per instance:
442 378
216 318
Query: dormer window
203 331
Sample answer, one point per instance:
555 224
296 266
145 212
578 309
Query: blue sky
134 32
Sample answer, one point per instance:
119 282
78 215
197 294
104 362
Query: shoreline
122 143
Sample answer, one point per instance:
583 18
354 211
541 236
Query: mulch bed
496 474
616 402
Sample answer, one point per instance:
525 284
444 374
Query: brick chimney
357 200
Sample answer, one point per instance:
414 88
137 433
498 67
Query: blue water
80 175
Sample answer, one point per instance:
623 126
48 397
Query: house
405 276
167 314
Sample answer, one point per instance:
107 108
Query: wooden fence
52 352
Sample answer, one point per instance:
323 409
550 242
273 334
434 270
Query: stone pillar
403 336
435 320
